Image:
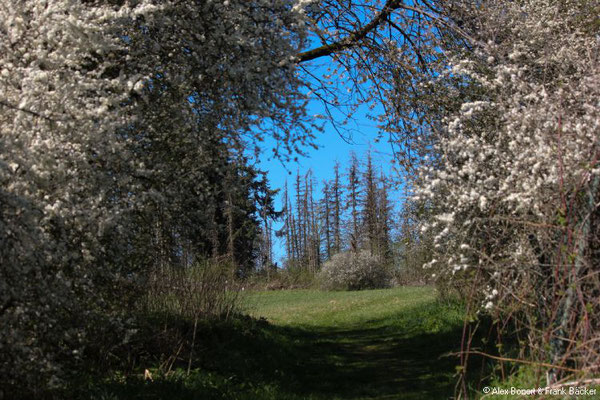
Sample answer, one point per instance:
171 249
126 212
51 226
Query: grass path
381 344
308 345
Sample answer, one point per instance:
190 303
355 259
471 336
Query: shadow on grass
385 359
370 363
253 359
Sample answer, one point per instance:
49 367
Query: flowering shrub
106 110
514 193
355 271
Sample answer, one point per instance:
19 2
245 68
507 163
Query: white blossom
77 79
505 158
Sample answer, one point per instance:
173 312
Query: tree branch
384 16
518 361
354 37
7 105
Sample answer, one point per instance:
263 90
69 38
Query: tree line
353 212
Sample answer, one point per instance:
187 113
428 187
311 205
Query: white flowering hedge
104 109
355 271
514 192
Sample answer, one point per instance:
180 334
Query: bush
180 303
207 289
355 271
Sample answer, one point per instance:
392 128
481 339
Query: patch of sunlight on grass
341 309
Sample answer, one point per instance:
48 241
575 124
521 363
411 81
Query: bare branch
7 105
353 38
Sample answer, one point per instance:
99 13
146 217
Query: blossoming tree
513 184
107 110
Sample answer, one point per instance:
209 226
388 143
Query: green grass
309 344
378 344
315 308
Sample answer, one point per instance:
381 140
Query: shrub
181 301
514 193
409 266
355 271
207 289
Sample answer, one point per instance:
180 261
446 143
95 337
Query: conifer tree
337 195
370 207
353 201
384 220
326 217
